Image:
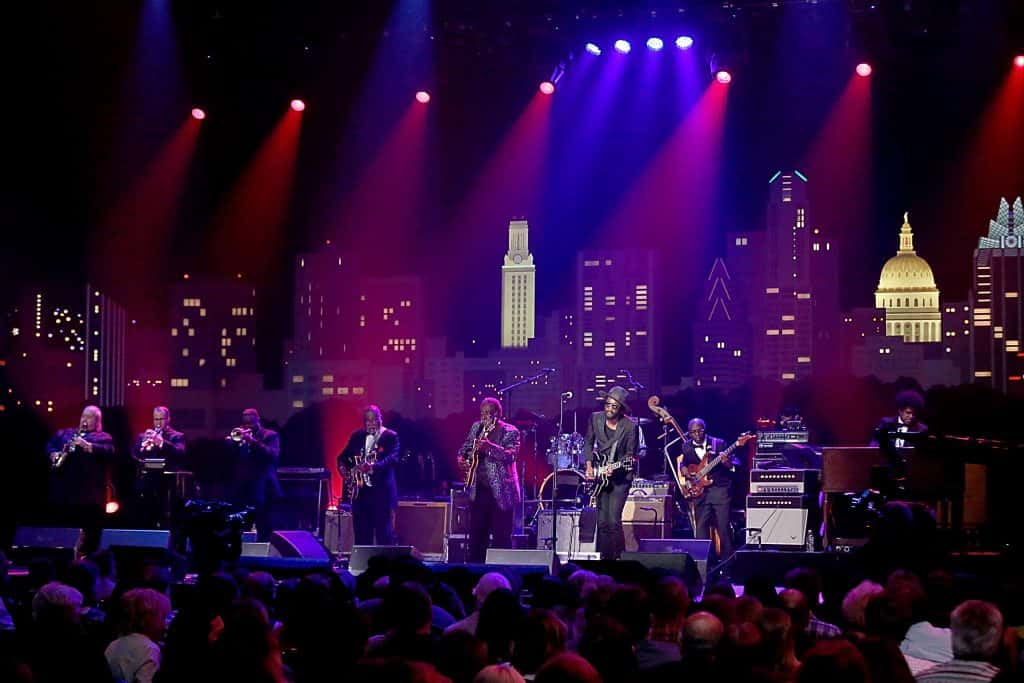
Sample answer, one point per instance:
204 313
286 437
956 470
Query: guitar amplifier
423 524
648 510
779 520
576 532
784 482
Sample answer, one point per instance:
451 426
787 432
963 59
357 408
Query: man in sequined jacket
493 484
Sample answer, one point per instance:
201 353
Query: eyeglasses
613 404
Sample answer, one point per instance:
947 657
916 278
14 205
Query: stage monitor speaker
339 536
284 567
362 554
297 544
46 537
697 548
576 531
678 563
424 523
255 549
636 532
135 538
534 558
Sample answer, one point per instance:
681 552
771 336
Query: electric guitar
603 474
694 478
473 459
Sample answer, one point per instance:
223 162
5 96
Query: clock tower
518 288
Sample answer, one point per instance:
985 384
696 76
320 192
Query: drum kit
566 455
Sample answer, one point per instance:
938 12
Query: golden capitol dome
907 292
906 271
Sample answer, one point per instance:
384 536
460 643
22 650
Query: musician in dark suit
255 469
78 485
909 405
611 438
371 456
712 508
159 443
494 486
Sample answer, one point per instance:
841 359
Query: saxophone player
370 458
78 485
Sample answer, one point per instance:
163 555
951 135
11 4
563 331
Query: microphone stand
506 392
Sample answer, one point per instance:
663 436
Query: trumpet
152 438
239 433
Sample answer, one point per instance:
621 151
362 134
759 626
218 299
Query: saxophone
66 450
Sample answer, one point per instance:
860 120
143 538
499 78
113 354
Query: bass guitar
694 478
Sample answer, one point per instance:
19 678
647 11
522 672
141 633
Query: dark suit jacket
720 474
600 442
172 450
497 465
82 479
256 467
886 430
383 472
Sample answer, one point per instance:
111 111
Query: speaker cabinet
534 558
423 523
648 510
339 536
297 544
777 520
46 537
576 532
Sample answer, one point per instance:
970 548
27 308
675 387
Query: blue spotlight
684 42
623 46
593 49
655 44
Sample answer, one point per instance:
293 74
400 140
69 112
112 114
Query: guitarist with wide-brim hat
712 506
609 450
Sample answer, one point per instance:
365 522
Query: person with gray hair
78 481
135 656
488 583
977 628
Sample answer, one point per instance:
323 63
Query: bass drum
570 490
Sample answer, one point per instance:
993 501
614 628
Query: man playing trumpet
161 441
255 472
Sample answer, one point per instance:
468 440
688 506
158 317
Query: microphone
567 395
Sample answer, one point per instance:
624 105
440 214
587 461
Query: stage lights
1018 61
723 77
863 69
298 105
623 46
593 49
547 87
198 114
684 42
655 44
422 96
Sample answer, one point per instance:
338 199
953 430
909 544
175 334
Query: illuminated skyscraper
614 320
106 325
781 306
518 288
721 333
213 333
998 316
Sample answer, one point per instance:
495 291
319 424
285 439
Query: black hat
617 394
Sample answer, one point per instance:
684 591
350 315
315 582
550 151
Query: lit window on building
191 331
184 352
789 375
179 382
298 379
358 391
736 353
174 331
202 362
327 391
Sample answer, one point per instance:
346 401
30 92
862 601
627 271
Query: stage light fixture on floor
723 77
623 46
684 42
298 105
198 114
422 96
593 49
655 44
863 69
